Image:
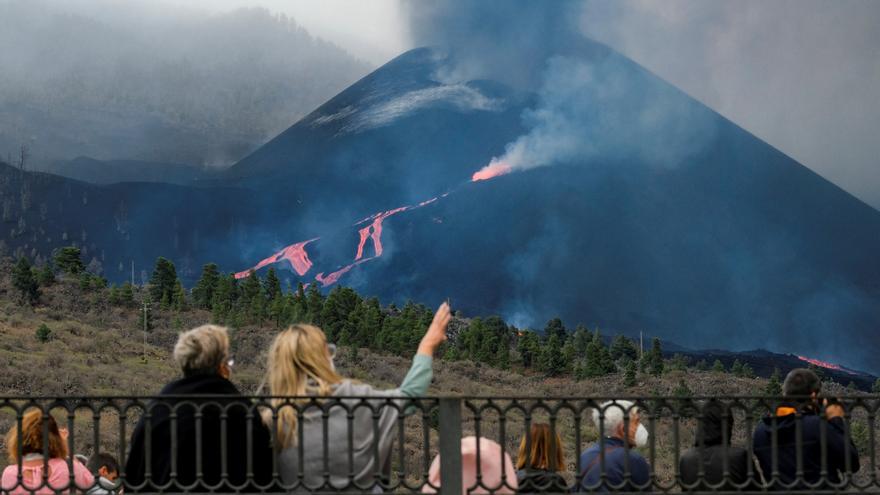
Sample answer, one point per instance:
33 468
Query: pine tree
718 366
114 296
24 281
623 347
68 260
555 327
340 302
582 338
655 358
43 333
876 388
747 371
224 299
774 387
314 304
528 345
272 285
851 388
737 368
702 365
203 291
46 276
551 357
629 373
678 362
126 295
163 282
179 300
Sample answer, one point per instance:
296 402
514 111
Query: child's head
32 439
104 465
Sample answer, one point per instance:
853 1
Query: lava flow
299 260
490 171
295 254
825 364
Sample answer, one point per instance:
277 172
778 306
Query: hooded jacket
784 424
540 481
238 456
712 451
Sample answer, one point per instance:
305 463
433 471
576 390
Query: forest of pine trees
351 320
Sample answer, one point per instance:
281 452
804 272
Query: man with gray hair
621 431
211 432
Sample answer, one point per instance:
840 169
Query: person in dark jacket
712 453
618 449
801 389
203 355
540 460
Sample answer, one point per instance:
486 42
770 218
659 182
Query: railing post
450 446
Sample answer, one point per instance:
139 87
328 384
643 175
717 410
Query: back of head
202 350
102 460
615 413
541 449
801 383
32 438
715 426
493 467
298 365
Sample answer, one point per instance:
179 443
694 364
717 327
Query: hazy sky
804 75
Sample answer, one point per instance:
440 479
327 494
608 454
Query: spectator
539 461
713 453
300 363
620 459
105 469
801 389
32 463
495 470
203 357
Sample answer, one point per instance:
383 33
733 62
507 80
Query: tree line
350 320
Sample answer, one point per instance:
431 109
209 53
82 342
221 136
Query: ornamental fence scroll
233 444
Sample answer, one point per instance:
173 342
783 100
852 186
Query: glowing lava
825 364
490 171
295 254
299 260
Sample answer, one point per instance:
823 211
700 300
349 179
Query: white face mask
641 436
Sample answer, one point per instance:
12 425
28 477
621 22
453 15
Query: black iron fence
390 444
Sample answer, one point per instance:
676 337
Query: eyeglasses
331 348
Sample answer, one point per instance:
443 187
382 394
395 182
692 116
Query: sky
803 75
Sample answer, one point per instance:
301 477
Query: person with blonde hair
540 460
206 454
355 454
32 464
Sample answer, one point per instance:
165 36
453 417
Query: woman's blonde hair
546 450
32 438
297 366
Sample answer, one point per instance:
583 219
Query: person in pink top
497 471
33 464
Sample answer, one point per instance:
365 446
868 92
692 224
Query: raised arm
419 376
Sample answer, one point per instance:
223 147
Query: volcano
385 188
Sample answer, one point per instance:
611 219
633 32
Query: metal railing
368 444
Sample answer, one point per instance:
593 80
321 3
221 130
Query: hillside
97 347
709 239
